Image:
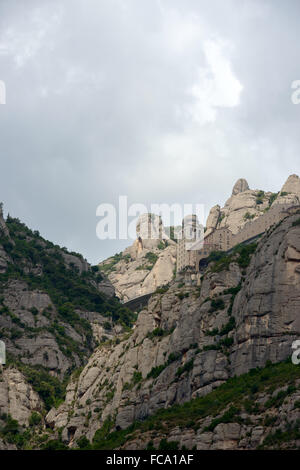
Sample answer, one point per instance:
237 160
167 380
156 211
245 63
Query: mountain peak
240 186
292 185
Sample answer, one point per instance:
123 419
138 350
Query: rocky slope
258 410
191 339
54 309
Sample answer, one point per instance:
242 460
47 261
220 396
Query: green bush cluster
159 332
156 371
272 198
223 343
240 254
13 433
182 295
216 304
168 445
259 197
151 257
297 222
228 327
110 266
248 216
229 395
162 290
35 419
64 284
230 416
185 368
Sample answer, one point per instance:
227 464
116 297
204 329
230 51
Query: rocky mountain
54 310
150 263
141 268
53 304
189 344
204 365
246 204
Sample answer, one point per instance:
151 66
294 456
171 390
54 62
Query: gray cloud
164 101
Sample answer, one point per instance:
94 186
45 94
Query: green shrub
227 342
35 419
11 427
107 325
272 198
162 290
55 444
248 216
64 284
156 371
230 394
228 417
137 377
297 222
168 445
228 327
213 332
156 332
185 368
216 304
259 197
159 332
151 257
83 443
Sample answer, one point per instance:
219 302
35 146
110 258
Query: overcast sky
161 100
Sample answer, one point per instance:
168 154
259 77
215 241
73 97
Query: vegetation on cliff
226 404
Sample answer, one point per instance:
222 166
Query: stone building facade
191 233
222 239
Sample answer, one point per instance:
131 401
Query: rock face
17 398
3 227
248 204
192 339
26 326
4 258
213 219
290 191
253 430
240 186
38 322
292 185
242 204
269 301
143 267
